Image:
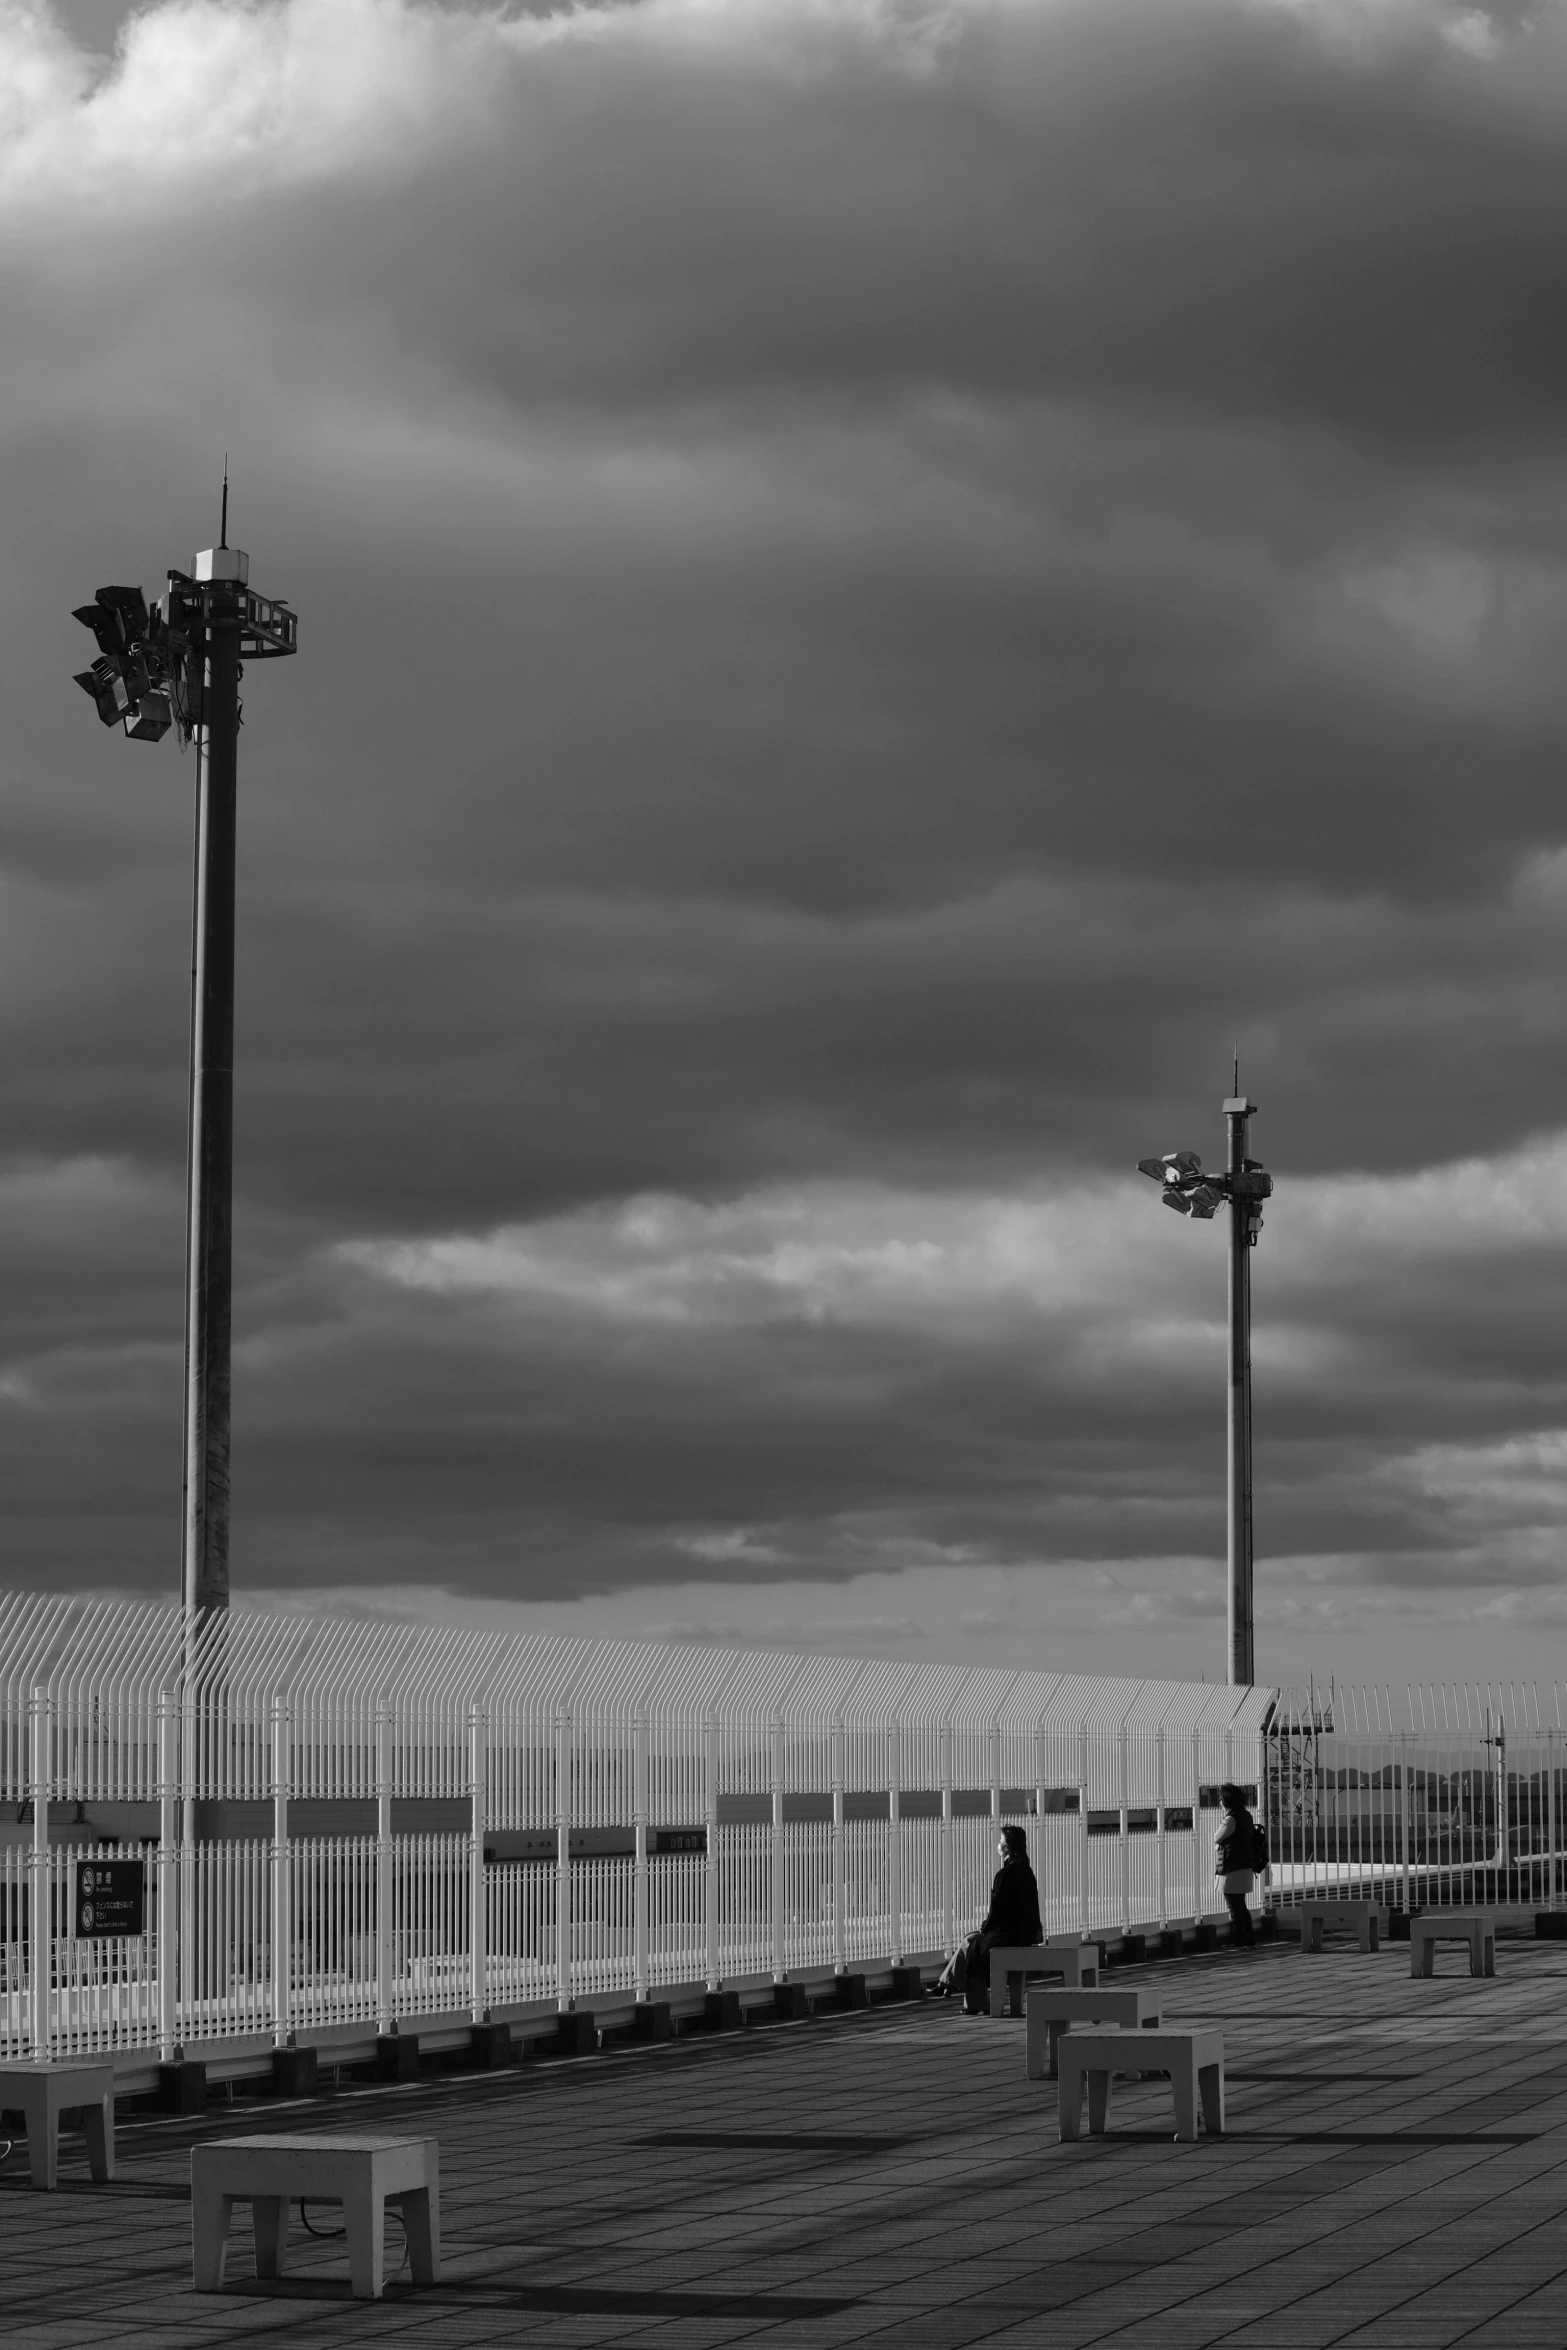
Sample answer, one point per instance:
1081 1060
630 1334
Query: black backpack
1259 1847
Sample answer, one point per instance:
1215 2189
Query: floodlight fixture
175 664
1243 1185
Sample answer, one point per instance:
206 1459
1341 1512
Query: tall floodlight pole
179 664
1243 1186
209 1215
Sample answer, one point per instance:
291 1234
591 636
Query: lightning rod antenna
223 526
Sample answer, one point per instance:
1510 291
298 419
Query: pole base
294 2072
489 2045
182 2086
397 2057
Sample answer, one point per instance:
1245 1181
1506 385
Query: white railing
356 1825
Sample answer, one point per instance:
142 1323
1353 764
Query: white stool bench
1050 2012
1476 1927
1362 1918
363 2174
44 2092
1193 2060
1077 1963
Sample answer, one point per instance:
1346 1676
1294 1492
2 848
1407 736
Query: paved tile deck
1395 2174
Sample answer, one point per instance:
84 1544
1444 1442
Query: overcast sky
878 584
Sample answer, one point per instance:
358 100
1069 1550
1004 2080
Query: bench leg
1373 1940
1311 1938
1070 2104
1210 2087
210 2214
1041 2052
1098 2102
269 2217
43 2137
1488 1954
364 2219
98 2130
1054 2031
422 2227
1420 1960
1183 2081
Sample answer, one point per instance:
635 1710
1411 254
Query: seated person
1012 1921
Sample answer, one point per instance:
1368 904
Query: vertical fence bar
40 1769
995 1778
948 1944
639 1886
1405 1811
1199 1857
187 1940
839 1880
1124 1802
710 1872
1164 1897
168 1873
1041 1778
478 1920
563 1994
383 1867
894 1844
1082 1827
282 1923
1229 1773
776 1777
1550 1820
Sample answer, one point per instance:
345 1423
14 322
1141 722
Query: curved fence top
109 1655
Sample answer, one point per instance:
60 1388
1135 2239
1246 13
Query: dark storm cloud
877 586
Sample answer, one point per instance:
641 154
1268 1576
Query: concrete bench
42 2093
1363 1919
362 2174
1050 2012
1077 1963
1477 1927
1092 2055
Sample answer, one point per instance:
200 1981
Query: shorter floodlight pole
1242 1188
1242 1645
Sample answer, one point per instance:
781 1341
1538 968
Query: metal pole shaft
1241 1642
209 1211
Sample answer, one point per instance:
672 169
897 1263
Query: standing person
1233 1848
1012 1921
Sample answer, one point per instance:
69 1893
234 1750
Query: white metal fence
361 1824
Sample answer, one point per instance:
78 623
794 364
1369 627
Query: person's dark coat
1234 1842
1013 1916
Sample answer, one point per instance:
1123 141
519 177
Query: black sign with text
110 1898
677 1840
